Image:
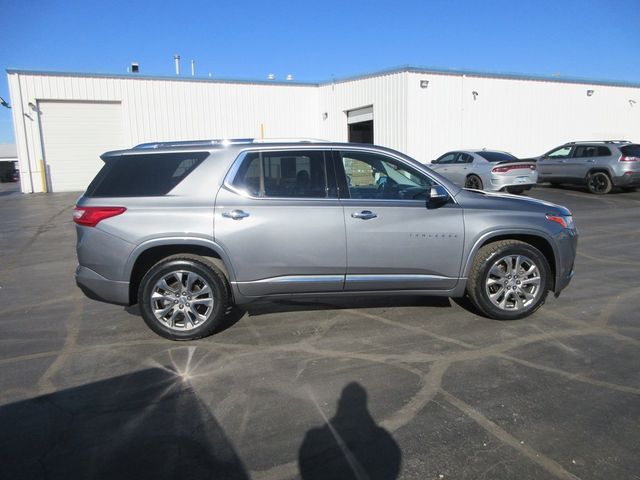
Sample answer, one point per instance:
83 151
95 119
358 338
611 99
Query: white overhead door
74 135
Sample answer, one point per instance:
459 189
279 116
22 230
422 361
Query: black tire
474 182
515 190
599 183
209 274
487 256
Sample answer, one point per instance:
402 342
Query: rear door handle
364 215
235 214
591 161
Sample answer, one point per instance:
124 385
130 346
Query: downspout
24 129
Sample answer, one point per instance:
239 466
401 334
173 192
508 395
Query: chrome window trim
233 171
235 166
403 162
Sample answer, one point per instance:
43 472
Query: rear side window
286 174
497 156
584 151
147 175
630 150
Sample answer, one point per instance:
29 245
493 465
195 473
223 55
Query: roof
390 71
8 150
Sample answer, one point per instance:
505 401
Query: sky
320 40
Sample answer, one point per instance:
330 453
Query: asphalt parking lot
412 388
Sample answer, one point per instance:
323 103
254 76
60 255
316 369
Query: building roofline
379 73
138 76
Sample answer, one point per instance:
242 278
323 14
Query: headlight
566 221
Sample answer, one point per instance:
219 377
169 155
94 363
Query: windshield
497 156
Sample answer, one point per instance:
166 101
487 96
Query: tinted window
631 150
464 158
562 152
497 156
372 176
584 151
144 175
446 159
285 174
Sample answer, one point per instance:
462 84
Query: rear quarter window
630 150
145 175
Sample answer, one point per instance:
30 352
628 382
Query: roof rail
224 142
597 141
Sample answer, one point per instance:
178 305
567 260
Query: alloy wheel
513 283
182 300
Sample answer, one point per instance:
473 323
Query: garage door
74 135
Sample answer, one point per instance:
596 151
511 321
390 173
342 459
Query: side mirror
438 196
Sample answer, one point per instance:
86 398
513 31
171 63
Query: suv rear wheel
509 279
183 297
599 183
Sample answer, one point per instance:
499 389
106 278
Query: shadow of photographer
350 445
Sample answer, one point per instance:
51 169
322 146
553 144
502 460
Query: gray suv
188 229
598 165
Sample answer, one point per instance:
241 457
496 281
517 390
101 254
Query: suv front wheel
509 279
183 297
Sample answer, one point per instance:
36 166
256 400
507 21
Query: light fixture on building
325 115
424 83
135 67
475 95
271 76
589 93
32 106
289 77
632 102
4 103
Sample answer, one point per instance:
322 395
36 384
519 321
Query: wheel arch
149 253
537 239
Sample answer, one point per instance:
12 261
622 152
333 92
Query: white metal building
64 121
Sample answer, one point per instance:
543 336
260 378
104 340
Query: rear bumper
96 287
499 182
629 179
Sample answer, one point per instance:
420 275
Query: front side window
562 152
373 176
285 174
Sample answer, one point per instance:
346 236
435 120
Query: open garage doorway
360 124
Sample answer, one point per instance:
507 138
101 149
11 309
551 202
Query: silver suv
598 165
187 229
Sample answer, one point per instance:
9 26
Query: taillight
626 158
507 168
91 216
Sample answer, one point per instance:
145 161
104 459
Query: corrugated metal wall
388 95
524 116
165 110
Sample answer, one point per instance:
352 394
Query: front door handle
235 214
591 161
364 215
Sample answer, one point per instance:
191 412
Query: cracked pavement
409 387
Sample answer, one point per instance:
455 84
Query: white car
488 170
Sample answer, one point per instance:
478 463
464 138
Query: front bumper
96 287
